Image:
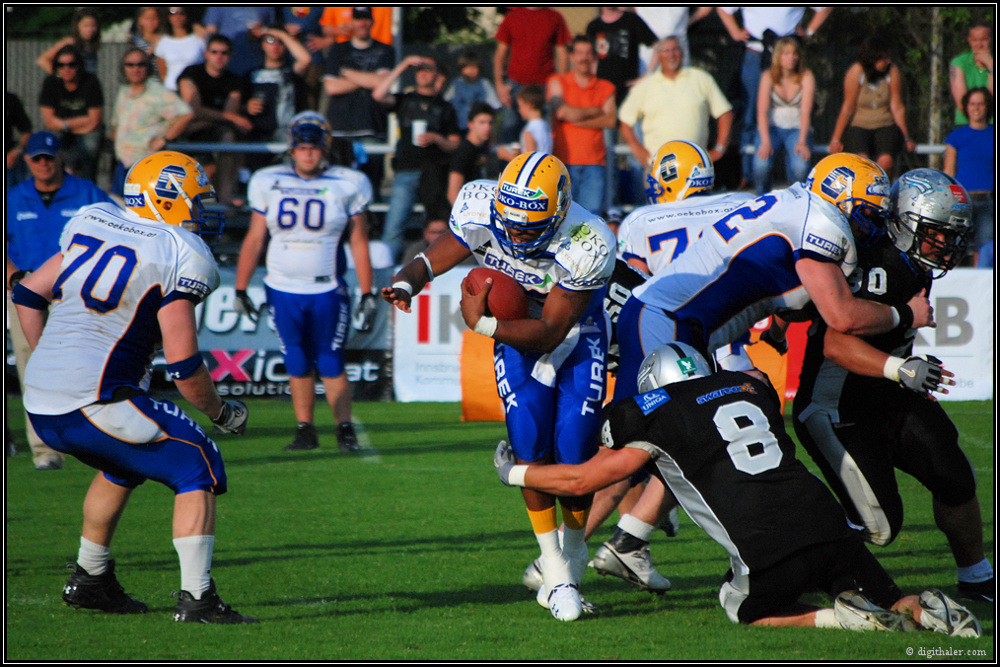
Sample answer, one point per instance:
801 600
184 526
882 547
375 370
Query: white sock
195 554
981 571
825 618
575 550
636 527
93 557
555 567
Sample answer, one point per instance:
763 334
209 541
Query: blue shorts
553 402
313 330
135 440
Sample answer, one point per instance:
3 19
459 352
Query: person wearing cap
37 211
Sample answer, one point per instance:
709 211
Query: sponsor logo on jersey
825 244
523 277
193 285
652 400
726 391
300 191
513 195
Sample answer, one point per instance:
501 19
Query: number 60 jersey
117 271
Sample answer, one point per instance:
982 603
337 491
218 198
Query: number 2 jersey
117 271
742 268
719 443
307 219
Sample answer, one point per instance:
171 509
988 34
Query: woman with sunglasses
72 105
180 46
147 115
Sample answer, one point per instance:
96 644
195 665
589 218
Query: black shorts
873 143
830 567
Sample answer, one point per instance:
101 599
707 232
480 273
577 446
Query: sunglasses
72 64
42 158
219 53
138 64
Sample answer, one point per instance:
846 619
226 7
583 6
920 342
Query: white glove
504 462
364 320
233 418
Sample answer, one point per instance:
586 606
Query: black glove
365 318
921 373
233 418
244 305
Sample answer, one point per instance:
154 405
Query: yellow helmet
531 200
859 188
679 170
171 188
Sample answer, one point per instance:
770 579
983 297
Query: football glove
365 318
233 418
921 373
503 461
244 305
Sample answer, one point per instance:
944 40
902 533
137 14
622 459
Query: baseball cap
43 143
362 13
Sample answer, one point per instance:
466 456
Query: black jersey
886 275
719 443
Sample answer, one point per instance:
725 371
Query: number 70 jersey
742 268
117 271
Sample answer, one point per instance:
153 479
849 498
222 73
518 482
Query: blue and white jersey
742 269
580 256
117 271
659 233
307 218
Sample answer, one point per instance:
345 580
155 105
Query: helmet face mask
172 188
679 170
670 363
309 128
531 200
859 188
931 219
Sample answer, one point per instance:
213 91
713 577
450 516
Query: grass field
412 551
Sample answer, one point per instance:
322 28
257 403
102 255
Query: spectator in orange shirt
336 24
581 107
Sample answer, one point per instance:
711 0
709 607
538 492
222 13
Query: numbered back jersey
719 443
580 256
659 233
117 271
307 219
742 268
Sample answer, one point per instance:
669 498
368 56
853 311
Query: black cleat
209 609
99 591
347 439
980 591
305 438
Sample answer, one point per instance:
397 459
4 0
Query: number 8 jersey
117 271
307 218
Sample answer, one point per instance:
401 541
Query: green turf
413 551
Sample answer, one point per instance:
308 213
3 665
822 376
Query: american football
507 299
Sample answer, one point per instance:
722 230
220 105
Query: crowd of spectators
240 73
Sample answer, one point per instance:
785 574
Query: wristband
890 371
720 148
902 317
427 263
403 285
487 326
516 475
185 368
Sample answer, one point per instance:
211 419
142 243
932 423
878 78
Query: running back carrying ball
507 300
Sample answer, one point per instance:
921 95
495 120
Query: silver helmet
931 219
673 362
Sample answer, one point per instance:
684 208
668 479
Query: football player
680 205
718 441
309 209
859 448
123 283
550 367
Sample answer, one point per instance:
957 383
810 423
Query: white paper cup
418 127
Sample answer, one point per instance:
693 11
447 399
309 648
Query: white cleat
635 567
564 602
532 578
942 614
856 612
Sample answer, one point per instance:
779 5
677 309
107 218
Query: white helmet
931 219
669 363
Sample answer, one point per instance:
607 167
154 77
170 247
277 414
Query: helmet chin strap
152 209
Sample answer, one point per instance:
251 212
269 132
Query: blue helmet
311 129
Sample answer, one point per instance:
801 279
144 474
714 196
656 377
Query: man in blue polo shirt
37 211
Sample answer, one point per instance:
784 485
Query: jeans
398 217
587 182
511 122
611 171
796 169
750 80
